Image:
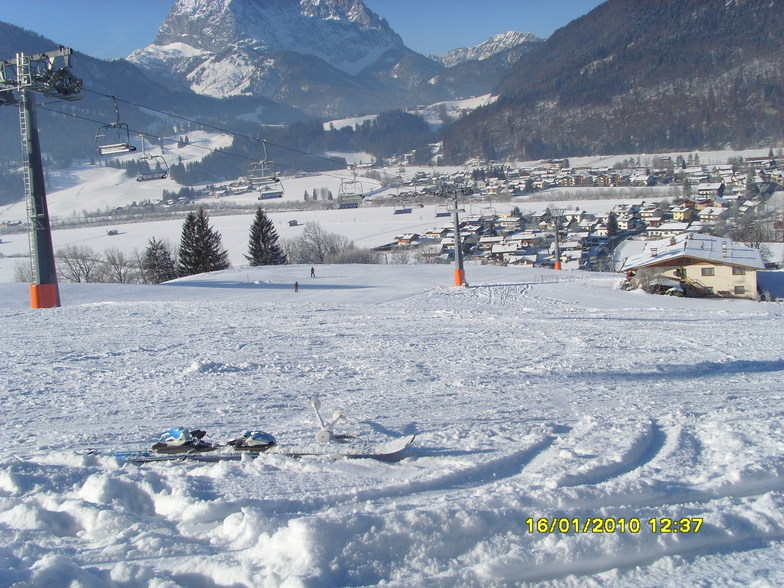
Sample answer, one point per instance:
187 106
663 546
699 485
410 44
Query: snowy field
547 407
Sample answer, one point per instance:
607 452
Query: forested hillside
640 77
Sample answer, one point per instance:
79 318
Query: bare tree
119 268
23 272
315 245
78 263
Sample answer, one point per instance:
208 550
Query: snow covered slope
547 407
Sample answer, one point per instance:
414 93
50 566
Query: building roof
699 247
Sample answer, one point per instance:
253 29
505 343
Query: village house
508 223
702 265
683 213
503 252
666 230
407 238
626 222
711 215
486 242
710 190
710 202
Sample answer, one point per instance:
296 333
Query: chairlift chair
262 172
152 167
350 193
271 190
115 137
488 213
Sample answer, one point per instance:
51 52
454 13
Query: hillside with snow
561 425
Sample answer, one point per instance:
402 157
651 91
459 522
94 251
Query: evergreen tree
307 197
263 246
158 263
612 224
200 246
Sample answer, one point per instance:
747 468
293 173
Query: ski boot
182 440
253 441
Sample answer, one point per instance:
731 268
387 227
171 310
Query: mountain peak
494 45
342 32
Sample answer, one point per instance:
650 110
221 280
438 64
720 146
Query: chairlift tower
459 275
20 79
557 212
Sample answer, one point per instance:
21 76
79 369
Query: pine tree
200 246
612 224
158 263
263 246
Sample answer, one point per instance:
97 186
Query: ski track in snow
531 396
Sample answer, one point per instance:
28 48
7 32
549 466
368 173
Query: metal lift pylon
28 75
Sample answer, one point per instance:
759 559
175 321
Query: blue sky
114 28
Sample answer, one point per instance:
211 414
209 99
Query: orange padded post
44 296
460 277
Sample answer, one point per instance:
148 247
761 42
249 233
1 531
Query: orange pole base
557 265
460 278
44 296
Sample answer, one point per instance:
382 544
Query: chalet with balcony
702 265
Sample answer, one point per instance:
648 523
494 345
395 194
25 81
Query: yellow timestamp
613 525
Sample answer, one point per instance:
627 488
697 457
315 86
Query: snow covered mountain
511 44
323 56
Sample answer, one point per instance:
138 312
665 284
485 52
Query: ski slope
534 396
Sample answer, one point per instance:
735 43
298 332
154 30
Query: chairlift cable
264 142
169 140
216 128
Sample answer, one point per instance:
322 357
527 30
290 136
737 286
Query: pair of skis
183 444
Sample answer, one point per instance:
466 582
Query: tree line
200 251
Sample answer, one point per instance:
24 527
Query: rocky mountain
510 45
328 58
633 77
325 57
472 71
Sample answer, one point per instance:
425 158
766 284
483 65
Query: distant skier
296 286
312 272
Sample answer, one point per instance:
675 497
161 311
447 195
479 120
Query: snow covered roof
505 247
698 247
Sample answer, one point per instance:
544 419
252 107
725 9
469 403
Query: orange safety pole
44 296
557 265
460 277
